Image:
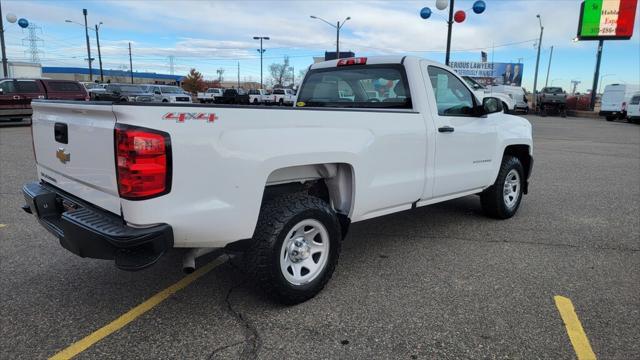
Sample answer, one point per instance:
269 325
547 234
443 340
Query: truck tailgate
74 148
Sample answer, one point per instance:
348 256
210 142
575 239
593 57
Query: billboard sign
607 19
490 73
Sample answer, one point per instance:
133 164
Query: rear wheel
295 247
502 199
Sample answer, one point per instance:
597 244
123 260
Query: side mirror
491 105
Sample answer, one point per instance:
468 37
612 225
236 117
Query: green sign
607 19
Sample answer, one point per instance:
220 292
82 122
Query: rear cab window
635 100
27 86
357 86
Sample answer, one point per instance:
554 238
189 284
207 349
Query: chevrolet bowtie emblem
63 156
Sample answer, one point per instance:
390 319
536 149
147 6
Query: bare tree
280 72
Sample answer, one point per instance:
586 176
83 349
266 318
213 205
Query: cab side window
7 87
27 86
453 98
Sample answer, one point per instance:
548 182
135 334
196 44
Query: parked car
124 93
16 94
633 109
261 96
552 99
211 95
235 96
615 99
93 88
169 94
508 102
282 185
518 94
284 96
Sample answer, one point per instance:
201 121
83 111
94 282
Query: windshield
472 83
171 90
368 86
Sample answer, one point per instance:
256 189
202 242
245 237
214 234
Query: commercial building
114 76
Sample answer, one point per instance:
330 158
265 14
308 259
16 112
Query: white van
633 109
615 99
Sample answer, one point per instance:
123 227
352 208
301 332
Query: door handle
445 129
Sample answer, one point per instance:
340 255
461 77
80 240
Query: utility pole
171 64
535 78
130 63
238 74
293 77
261 51
86 33
549 67
5 66
594 88
450 26
99 54
338 40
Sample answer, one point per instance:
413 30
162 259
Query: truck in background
16 95
615 99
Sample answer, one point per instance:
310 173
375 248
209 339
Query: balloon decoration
442 4
459 16
479 7
12 18
425 13
23 23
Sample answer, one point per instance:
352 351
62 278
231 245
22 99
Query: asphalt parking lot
439 282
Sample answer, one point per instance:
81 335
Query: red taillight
143 160
352 61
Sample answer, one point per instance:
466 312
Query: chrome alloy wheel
511 191
304 252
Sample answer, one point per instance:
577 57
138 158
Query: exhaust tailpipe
189 260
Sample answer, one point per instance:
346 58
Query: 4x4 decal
181 117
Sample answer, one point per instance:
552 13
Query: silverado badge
63 156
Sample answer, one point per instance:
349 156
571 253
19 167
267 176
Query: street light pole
535 78
338 26
602 77
130 63
549 67
450 26
86 32
5 66
261 51
99 54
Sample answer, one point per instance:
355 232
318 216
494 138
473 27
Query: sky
212 35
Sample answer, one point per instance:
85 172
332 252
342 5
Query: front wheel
502 199
295 247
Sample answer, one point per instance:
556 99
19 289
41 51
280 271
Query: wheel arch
523 153
333 182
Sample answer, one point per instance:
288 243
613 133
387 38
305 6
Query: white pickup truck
130 181
283 96
212 95
261 97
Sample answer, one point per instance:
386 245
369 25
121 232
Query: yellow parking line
117 324
575 331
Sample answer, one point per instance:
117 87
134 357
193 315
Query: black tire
505 108
280 102
610 117
277 217
492 199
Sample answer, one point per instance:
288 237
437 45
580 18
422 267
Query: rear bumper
610 113
89 231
